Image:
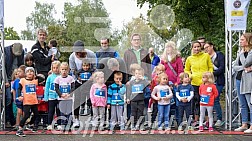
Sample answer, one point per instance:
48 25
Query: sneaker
167 128
20 133
201 129
160 128
28 127
76 123
149 110
49 127
210 129
82 111
180 128
241 129
196 124
59 127
34 130
248 131
218 123
190 128
133 129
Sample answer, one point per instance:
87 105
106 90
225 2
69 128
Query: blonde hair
97 74
65 64
55 63
141 70
174 52
209 76
41 30
160 67
15 71
134 67
182 76
161 75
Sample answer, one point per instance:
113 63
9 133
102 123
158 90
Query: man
155 60
106 50
14 57
40 54
202 41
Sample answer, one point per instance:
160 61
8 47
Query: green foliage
10 34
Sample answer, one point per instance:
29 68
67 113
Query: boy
53 49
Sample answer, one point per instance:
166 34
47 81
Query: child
50 94
116 92
98 96
82 86
136 90
208 92
19 104
164 94
53 49
64 87
29 61
27 86
184 95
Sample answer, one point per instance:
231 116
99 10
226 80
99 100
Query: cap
78 46
29 68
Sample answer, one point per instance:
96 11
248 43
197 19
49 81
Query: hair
53 42
28 57
194 42
174 52
134 67
14 74
118 73
248 37
182 76
105 38
112 62
211 44
64 64
135 34
209 76
160 76
160 67
42 31
86 61
55 63
96 74
201 38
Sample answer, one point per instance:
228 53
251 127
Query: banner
237 12
1 14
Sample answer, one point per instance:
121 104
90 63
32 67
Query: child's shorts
20 106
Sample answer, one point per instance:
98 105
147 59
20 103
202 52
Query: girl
208 92
164 94
64 87
98 96
50 94
27 86
29 62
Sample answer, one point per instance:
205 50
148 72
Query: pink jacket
98 95
177 66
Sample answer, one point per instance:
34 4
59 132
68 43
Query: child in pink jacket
98 96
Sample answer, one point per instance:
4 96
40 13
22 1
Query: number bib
204 99
116 97
30 89
64 89
100 93
52 87
163 93
137 88
85 76
184 93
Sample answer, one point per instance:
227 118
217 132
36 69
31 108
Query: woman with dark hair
195 66
218 60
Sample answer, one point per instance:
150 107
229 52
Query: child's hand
141 77
184 100
120 83
21 98
165 98
159 98
67 96
128 101
108 106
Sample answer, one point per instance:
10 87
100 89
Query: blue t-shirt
15 87
184 91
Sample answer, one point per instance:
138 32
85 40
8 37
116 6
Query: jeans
163 115
244 103
217 105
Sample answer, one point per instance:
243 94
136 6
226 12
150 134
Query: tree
41 17
10 34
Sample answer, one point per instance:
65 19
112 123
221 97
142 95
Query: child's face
21 73
138 74
204 79
29 63
100 79
118 79
30 74
85 67
55 68
186 79
64 70
164 80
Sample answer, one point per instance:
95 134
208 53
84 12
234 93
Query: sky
121 11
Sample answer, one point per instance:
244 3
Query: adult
202 41
39 52
243 65
155 60
106 50
137 54
172 62
80 52
14 57
218 60
195 66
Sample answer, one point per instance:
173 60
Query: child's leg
140 111
166 115
150 103
34 109
95 116
102 116
154 112
113 116
210 115
188 111
27 114
160 115
19 114
180 113
202 115
120 116
51 110
133 113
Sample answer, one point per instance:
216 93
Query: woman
195 66
243 67
218 60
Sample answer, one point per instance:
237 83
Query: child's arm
110 92
178 97
191 94
58 90
128 92
92 95
72 89
19 91
170 93
47 88
215 92
153 94
122 90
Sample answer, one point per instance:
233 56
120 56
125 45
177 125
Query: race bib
137 88
85 76
116 97
184 93
64 89
163 93
30 89
52 87
209 89
204 99
100 93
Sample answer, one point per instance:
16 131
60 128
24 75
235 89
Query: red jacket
207 91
